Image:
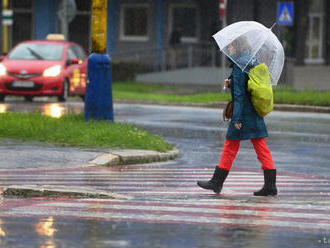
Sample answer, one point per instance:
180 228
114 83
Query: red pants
230 149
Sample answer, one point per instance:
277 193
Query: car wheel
28 98
2 97
65 91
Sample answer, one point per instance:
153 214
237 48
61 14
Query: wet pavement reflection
55 109
166 209
45 228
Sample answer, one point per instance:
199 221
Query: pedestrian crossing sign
285 13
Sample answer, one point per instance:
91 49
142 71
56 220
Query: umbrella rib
258 49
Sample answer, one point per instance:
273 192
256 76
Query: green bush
124 70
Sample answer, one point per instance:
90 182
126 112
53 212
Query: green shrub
124 70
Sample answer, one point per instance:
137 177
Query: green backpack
259 85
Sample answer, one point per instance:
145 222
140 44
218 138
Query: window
71 53
22 14
186 17
314 47
79 30
22 4
134 25
31 51
79 52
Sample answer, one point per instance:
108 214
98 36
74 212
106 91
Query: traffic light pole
98 99
1 35
222 14
5 29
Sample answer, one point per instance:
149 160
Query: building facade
140 29
34 19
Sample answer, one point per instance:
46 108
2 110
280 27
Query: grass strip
157 93
73 130
160 93
302 98
170 98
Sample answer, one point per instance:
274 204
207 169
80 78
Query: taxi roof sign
55 37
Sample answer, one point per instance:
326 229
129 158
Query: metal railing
169 58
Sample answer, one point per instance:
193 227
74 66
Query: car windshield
30 51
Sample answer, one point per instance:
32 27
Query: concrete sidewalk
27 155
36 157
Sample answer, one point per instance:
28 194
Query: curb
117 157
58 191
301 108
132 156
277 107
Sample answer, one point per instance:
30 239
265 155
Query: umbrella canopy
249 43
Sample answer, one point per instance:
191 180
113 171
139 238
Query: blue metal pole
160 27
98 99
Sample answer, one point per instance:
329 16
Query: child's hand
226 83
238 126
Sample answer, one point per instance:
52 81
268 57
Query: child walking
245 124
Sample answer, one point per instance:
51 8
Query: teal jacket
253 126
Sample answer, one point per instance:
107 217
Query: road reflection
3 108
246 213
45 228
2 232
54 110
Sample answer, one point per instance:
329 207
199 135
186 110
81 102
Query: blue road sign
285 15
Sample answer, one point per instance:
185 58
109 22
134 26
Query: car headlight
52 71
3 70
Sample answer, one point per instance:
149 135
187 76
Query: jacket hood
244 61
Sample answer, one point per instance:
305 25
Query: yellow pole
5 30
99 26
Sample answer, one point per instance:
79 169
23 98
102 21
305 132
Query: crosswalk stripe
154 178
170 195
299 207
117 183
170 217
249 193
126 175
249 212
97 172
182 187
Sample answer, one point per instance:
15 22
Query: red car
44 68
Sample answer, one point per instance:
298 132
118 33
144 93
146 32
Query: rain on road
166 208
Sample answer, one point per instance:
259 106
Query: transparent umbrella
253 44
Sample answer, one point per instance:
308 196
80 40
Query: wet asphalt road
299 143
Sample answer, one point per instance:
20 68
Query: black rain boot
269 187
216 181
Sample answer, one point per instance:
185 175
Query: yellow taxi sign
55 37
